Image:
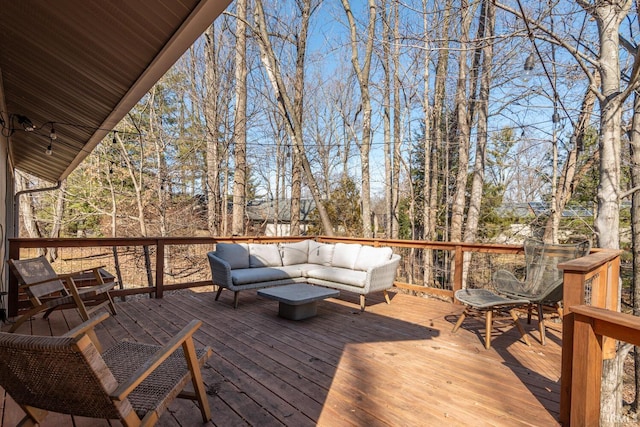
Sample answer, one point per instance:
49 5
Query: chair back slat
35 270
59 374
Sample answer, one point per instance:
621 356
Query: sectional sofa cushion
339 275
345 255
236 254
295 253
370 257
264 255
259 274
320 253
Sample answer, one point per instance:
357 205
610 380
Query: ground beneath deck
396 365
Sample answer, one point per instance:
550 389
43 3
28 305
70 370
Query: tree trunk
386 117
487 22
363 75
463 128
210 109
27 211
608 16
635 231
240 123
397 132
136 179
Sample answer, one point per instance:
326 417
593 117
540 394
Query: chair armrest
382 276
186 334
94 270
220 271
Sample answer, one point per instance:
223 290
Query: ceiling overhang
80 66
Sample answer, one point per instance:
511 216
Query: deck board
396 364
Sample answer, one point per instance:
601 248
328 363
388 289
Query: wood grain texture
394 364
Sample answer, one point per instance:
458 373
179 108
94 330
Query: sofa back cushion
264 255
320 253
236 254
345 255
295 253
370 257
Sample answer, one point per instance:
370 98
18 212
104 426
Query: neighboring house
273 217
72 69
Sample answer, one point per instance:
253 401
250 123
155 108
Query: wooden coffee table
298 301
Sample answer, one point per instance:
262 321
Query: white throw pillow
295 253
267 255
370 257
236 254
345 255
320 253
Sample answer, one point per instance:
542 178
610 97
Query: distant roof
265 210
542 208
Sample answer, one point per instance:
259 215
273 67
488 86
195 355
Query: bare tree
240 122
363 74
462 127
287 109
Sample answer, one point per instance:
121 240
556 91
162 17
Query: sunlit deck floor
396 365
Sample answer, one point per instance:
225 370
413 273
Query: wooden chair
70 374
47 291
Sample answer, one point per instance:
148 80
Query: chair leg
516 321
196 379
386 296
236 299
489 323
529 309
362 302
219 292
541 326
459 322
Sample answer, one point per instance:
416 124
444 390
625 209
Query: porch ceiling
81 66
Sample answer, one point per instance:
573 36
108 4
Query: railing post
159 268
587 373
593 281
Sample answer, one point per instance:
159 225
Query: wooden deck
396 365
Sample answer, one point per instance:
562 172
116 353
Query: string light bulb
53 135
529 64
49 150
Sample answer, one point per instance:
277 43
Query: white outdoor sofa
344 266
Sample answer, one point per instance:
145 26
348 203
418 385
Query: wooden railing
157 256
591 296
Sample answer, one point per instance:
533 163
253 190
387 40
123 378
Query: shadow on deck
395 364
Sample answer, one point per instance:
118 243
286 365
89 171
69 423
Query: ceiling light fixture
27 125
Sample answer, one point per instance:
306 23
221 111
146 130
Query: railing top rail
622 326
590 262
